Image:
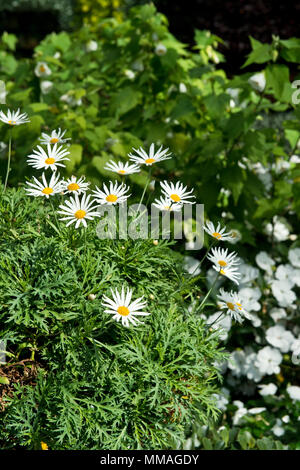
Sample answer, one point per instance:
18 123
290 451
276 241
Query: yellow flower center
12 123
54 140
44 446
230 305
222 272
124 311
47 190
149 161
111 198
49 161
80 214
42 68
217 235
73 187
222 263
122 172
175 197
239 306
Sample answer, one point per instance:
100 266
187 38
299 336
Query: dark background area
232 20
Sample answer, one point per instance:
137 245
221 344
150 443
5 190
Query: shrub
93 383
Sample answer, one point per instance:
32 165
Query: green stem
209 292
145 188
54 212
9 157
211 324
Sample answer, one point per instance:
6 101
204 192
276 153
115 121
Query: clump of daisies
226 264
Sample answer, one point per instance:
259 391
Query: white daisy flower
14 118
44 189
121 308
230 272
74 185
51 159
230 301
122 168
78 210
115 194
221 258
165 204
258 81
216 232
42 70
56 137
177 193
150 157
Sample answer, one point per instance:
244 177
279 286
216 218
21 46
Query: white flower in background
277 429
285 419
280 165
280 338
277 314
129 74
255 320
160 49
268 360
14 118
114 194
279 230
191 265
222 399
121 308
3 92
165 204
263 174
250 297
220 322
294 257
267 390
252 372
40 159
182 88
256 411
44 189
177 192
211 278
285 272
235 237
137 65
295 159
230 272
46 86
240 412
57 55
70 99
264 261
148 158
231 302
56 137
216 232
248 273
42 70
237 363
283 293
3 146
91 46
221 258
78 210
122 168
294 392
74 185
258 81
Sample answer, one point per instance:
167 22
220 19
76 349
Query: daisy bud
155 242
92 296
